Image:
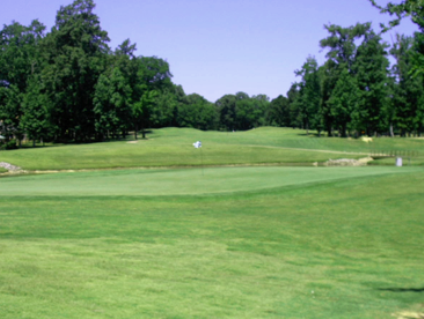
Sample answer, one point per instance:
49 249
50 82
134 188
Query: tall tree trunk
344 130
392 134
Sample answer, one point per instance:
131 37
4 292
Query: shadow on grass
313 135
418 290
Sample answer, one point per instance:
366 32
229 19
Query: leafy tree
197 112
329 74
152 77
35 120
278 113
75 52
408 89
165 111
142 110
10 110
112 104
341 42
226 106
406 8
19 53
293 94
250 111
343 101
19 58
372 77
415 10
341 55
309 100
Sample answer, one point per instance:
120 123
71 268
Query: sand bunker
409 315
348 162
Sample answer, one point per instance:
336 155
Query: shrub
11 145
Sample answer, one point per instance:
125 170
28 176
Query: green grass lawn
244 242
173 147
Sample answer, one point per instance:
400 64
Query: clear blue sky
215 47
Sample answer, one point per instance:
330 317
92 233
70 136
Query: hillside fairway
244 242
172 147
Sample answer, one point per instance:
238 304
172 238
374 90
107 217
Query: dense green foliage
355 93
69 85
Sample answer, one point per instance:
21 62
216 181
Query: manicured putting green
181 181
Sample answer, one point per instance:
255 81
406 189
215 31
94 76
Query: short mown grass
262 242
172 147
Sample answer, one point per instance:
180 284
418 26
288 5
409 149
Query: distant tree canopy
69 85
355 92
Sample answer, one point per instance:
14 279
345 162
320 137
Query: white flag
198 144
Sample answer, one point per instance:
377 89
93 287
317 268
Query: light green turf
181 181
344 244
3 170
173 147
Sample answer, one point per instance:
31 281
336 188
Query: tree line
69 85
355 92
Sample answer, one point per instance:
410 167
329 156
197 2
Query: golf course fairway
229 242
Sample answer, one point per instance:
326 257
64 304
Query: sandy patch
409 315
132 142
348 162
366 139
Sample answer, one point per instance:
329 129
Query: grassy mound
173 147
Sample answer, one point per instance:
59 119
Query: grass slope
323 243
173 147
181 181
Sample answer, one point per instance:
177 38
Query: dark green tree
165 112
250 111
112 104
152 78
371 69
407 8
226 107
342 47
36 121
19 59
75 54
197 112
293 95
408 89
344 101
10 110
278 113
309 100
